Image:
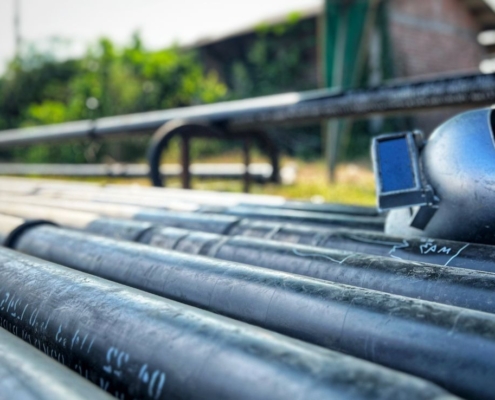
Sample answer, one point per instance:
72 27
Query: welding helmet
443 187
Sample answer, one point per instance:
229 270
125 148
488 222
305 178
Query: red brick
433 37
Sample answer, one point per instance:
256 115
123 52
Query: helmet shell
458 162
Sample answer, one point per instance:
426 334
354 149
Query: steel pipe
28 374
218 220
249 200
333 208
339 317
467 90
82 219
432 251
8 225
164 197
299 217
450 253
454 286
187 131
258 172
57 187
136 345
458 287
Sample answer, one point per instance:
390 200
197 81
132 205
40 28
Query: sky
160 22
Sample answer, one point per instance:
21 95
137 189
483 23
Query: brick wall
433 37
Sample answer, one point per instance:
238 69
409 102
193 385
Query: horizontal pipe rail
467 90
259 172
395 326
137 345
28 374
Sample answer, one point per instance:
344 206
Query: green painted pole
346 28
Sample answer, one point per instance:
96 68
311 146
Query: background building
409 39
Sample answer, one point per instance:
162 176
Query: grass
354 184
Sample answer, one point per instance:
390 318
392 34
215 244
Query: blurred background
72 60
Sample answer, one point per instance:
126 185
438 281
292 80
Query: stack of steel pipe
28 374
164 293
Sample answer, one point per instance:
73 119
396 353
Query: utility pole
17 27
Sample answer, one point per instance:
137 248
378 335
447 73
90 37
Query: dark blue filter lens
395 165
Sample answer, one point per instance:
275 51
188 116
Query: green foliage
37 89
48 112
277 60
281 58
110 80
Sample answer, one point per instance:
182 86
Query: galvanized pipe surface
80 203
30 186
92 194
82 219
323 207
251 199
111 209
28 374
136 345
69 218
209 222
164 196
453 347
151 196
259 172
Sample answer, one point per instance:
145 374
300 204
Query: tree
38 89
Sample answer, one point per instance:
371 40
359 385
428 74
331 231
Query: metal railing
244 119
